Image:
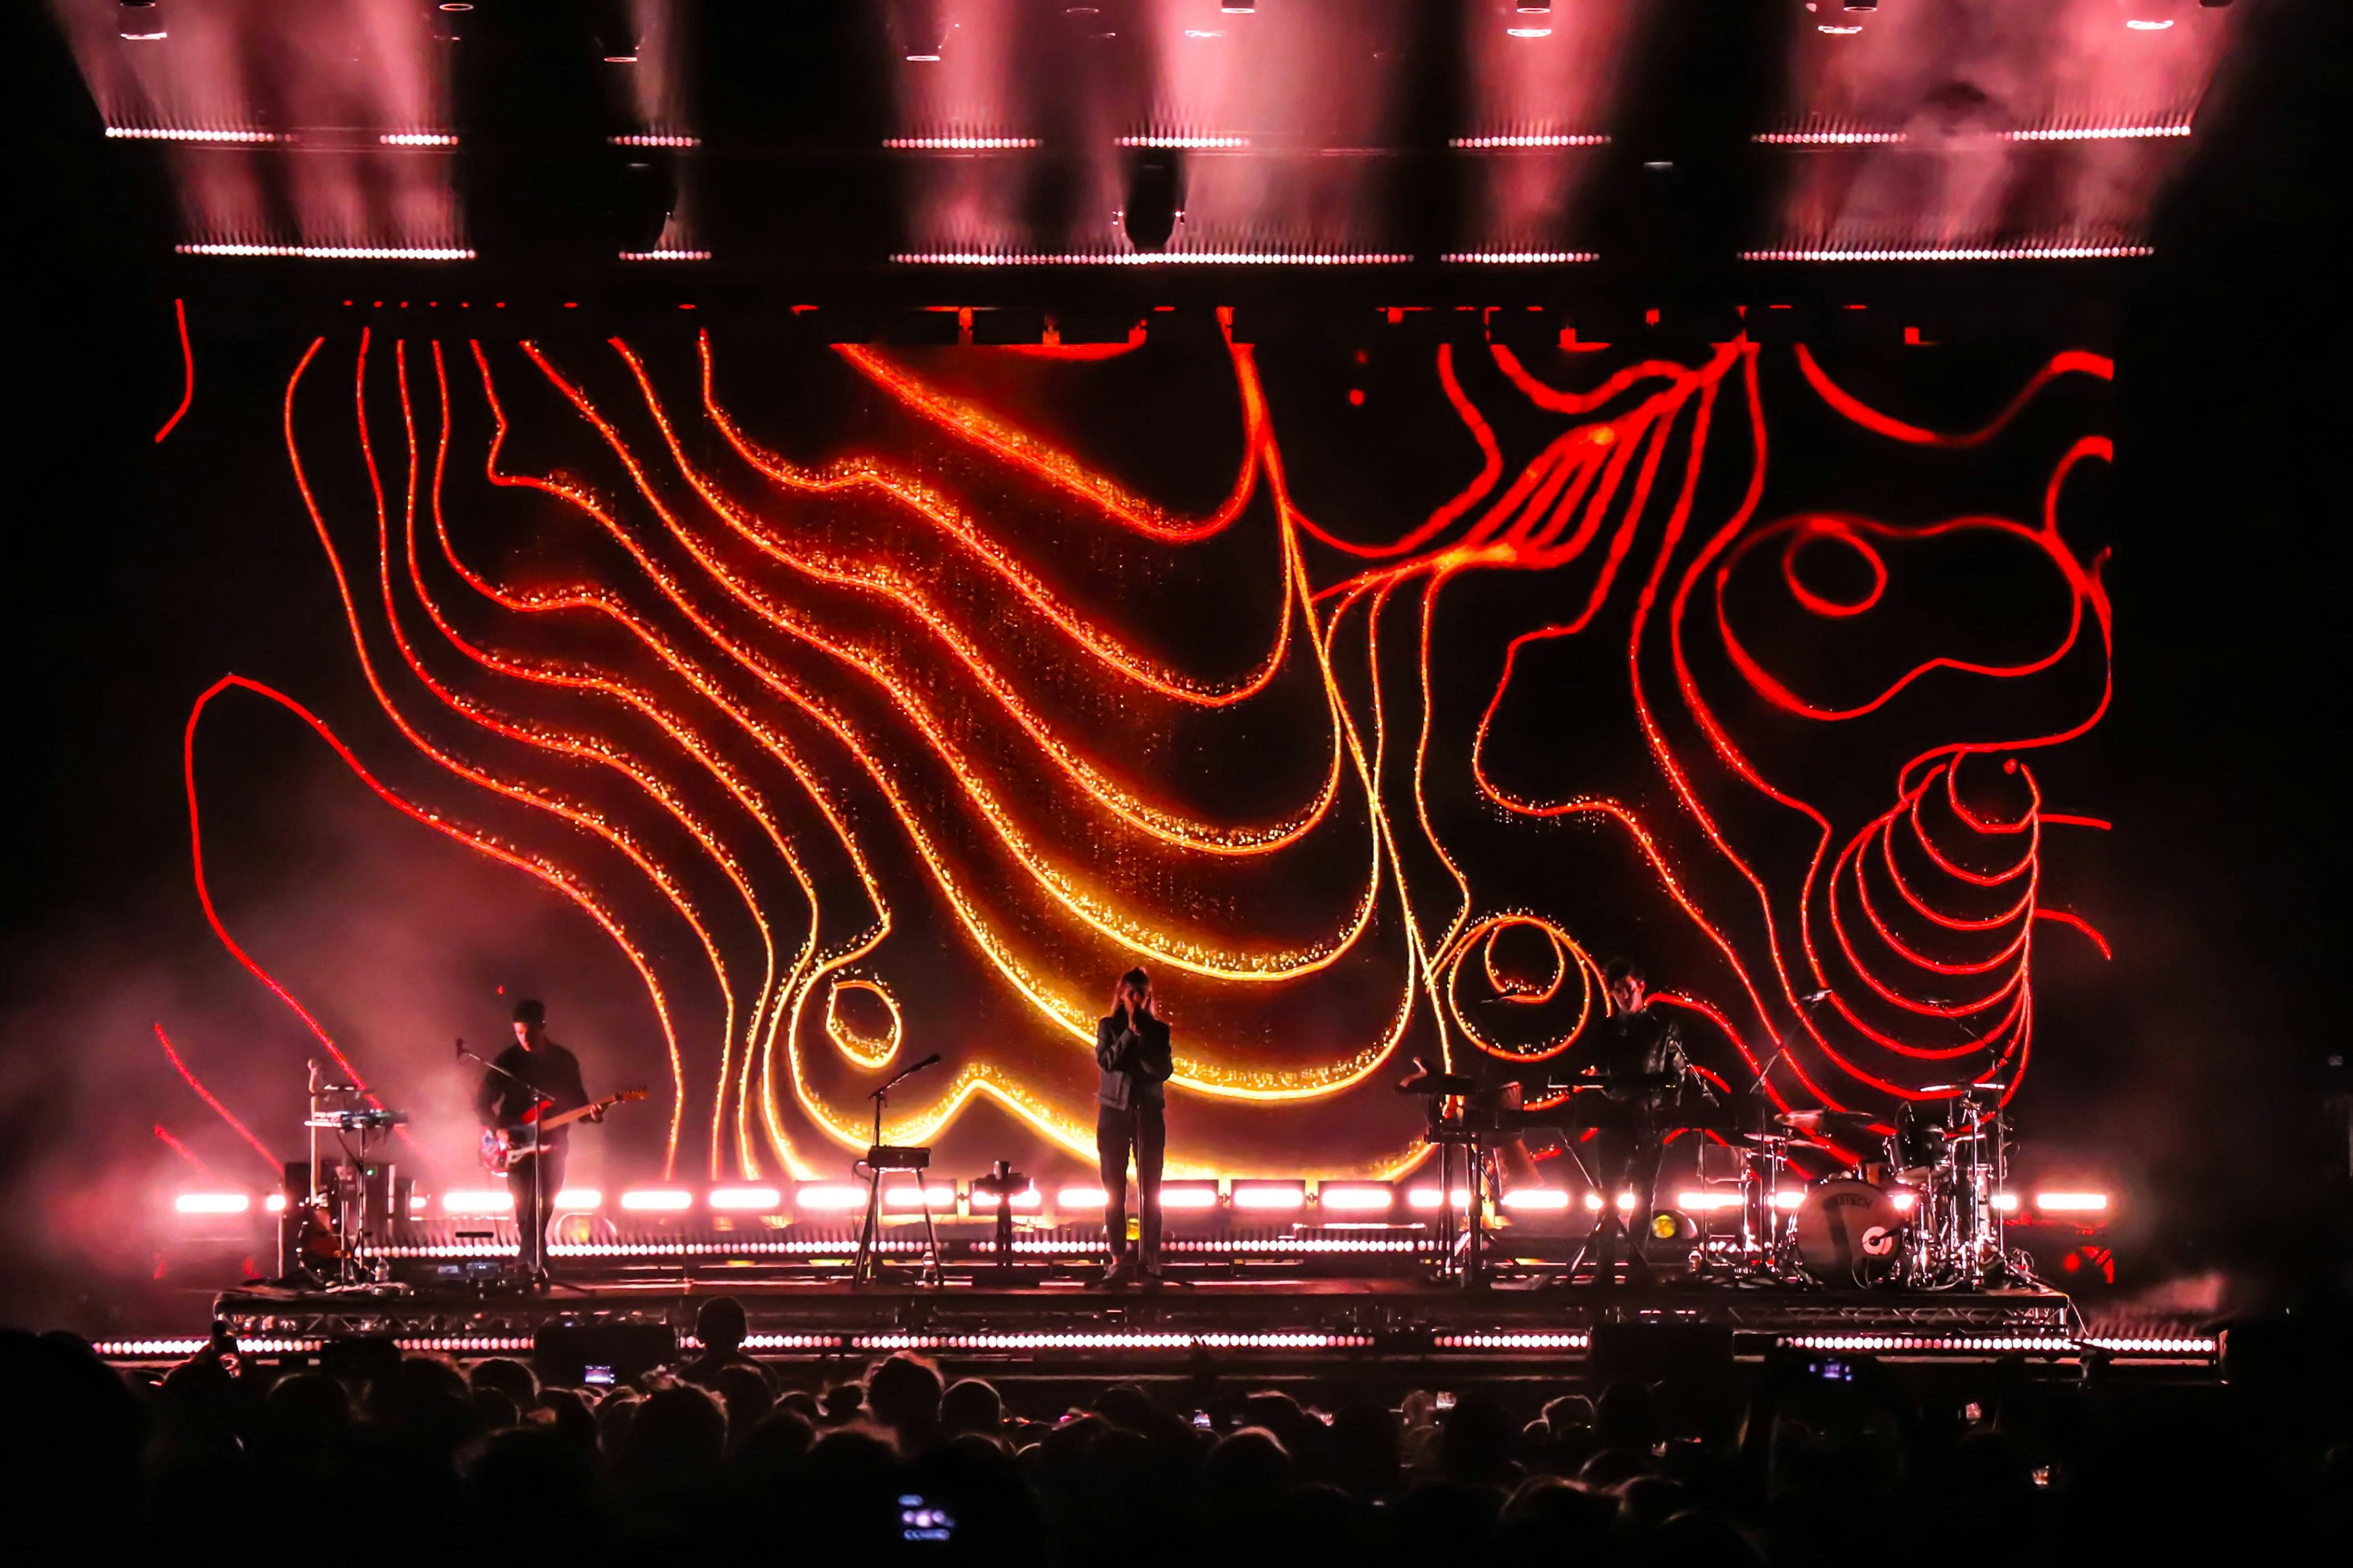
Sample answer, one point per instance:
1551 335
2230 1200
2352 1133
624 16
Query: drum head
1850 1232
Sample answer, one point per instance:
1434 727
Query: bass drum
1850 1232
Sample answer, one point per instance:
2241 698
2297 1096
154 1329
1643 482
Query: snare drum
1850 1231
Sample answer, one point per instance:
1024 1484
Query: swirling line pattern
811 708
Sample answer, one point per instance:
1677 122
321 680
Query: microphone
930 1061
1813 997
462 1045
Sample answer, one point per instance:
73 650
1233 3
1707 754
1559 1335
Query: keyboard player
1636 1058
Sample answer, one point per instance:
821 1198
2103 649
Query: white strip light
1151 259
1536 1200
1176 140
480 1203
731 1200
1268 1195
829 1197
1516 257
960 143
212 1203
1197 1195
579 1200
2072 1203
167 133
1356 1200
665 255
1530 138
1708 1202
1082 1198
940 1195
657 1200
1959 253
333 252
419 139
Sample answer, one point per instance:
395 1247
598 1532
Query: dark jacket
1135 1062
552 1070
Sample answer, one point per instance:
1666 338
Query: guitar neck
594 1106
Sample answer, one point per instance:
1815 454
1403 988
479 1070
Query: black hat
530 1012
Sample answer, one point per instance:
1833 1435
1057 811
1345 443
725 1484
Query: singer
1131 1115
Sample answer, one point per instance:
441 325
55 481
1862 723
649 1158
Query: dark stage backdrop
781 713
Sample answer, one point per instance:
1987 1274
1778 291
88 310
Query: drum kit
1920 1210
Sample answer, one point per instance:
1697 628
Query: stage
1409 1331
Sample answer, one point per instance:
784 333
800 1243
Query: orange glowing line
1189 955
871 1055
1157 821
597 752
871 474
574 815
1057 468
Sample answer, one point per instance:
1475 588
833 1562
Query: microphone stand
866 1267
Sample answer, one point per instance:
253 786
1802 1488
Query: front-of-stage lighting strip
1110 1341
153 1350
1218 1245
2154 1347
796 1247
2030 1345
1513 1341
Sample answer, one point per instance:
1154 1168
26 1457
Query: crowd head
721 1452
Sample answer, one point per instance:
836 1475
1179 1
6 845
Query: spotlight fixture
1156 183
141 23
614 26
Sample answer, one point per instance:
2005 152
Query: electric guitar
502 1146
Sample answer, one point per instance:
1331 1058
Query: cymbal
1966 1089
1822 1122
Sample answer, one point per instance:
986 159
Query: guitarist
533 1078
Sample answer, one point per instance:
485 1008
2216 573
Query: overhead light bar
419 139
1530 138
1516 257
1828 138
177 134
959 143
1960 253
1173 138
1151 259
651 139
331 252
